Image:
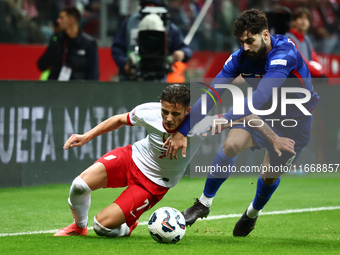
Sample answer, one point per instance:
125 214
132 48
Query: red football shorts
141 193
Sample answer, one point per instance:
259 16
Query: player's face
173 115
253 45
63 21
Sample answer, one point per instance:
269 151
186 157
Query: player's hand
284 144
212 129
174 143
216 127
75 141
207 131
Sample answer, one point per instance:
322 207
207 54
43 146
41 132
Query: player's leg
121 218
111 222
92 178
237 140
267 184
263 193
111 170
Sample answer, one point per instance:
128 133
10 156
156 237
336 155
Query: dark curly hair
176 94
253 21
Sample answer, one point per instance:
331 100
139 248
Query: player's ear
188 110
265 33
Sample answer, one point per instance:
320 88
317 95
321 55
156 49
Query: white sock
80 201
124 229
207 201
120 231
252 212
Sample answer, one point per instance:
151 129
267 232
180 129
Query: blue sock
215 179
264 193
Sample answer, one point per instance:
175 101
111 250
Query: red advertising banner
19 62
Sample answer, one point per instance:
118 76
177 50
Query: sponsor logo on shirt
281 62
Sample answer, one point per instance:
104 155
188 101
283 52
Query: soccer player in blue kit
274 59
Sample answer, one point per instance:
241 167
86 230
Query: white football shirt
148 154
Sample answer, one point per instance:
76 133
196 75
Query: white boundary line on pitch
217 217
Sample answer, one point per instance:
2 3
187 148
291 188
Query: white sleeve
135 120
142 113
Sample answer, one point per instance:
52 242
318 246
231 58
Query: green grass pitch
45 208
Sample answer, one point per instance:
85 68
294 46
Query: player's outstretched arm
279 143
113 123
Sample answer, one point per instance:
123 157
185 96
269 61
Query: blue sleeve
118 48
281 62
261 95
176 42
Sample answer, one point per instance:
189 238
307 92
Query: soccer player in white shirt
142 167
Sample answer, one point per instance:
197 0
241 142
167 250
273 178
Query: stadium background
36 118
204 64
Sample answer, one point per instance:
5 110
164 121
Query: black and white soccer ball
167 225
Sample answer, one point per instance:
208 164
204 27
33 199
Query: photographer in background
71 54
126 41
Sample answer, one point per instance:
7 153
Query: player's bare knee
100 230
231 149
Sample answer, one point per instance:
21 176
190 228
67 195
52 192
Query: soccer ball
167 225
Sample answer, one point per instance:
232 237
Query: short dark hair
254 21
176 94
73 12
299 12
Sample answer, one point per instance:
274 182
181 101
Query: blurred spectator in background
279 17
19 22
300 24
183 14
31 21
91 18
229 10
325 25
29 8
71 54
125 41
214 33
